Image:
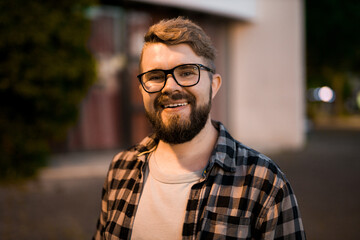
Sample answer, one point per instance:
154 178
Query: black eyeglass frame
171 71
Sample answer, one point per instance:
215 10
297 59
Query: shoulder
133 157
259 167
244 161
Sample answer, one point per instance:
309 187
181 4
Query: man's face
177 113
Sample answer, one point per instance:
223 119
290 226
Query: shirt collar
223 154
147 145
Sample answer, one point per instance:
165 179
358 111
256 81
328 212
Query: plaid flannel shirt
242 195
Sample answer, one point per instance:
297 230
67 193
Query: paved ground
63 203
326 180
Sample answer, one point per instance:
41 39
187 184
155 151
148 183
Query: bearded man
191 179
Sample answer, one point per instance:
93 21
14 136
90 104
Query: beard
179 130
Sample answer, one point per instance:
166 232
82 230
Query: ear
216 84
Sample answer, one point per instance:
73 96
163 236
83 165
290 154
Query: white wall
237 9
266 79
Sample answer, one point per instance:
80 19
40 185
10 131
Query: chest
219 205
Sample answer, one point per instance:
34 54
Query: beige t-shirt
161 210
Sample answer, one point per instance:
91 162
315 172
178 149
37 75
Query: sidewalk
326 177
62 203
78 165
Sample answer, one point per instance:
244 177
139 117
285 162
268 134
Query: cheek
203 94
148 101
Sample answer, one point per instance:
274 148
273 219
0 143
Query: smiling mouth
175 105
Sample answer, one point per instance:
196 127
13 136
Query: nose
171 85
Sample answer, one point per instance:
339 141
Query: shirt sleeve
100 227
283 220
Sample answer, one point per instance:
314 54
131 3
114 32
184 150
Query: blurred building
260 57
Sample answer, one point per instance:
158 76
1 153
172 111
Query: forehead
162 56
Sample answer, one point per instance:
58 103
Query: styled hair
181 30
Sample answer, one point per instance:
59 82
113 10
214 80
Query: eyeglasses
185 75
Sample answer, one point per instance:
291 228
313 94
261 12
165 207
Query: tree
333 44
45 71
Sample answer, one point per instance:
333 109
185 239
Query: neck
189 156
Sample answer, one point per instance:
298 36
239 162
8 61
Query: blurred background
70 102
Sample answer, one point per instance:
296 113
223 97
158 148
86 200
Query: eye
186 74
187 71
154 77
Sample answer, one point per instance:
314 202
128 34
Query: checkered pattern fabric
242 195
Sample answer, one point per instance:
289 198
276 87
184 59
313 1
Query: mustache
165 97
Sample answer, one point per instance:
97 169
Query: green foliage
45 71
333 46
332 35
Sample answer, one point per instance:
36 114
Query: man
191 179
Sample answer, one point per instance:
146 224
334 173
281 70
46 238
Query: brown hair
181 30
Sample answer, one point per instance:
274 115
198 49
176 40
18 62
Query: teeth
175 105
